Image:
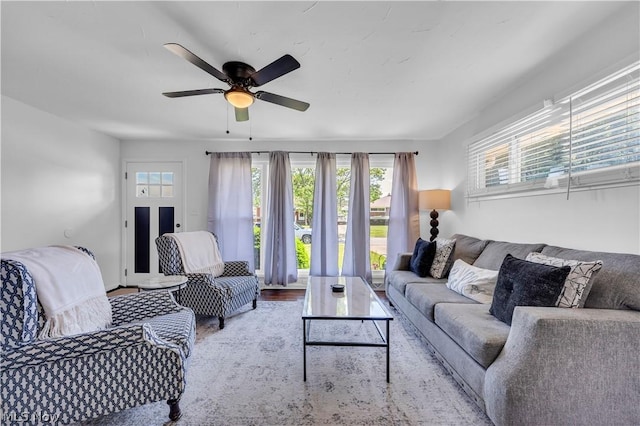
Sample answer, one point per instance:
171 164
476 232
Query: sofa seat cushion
426 296
400 279
495 252
177 327
472 327
235 286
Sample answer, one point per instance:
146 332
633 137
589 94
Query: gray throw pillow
579 281
524 283
443 260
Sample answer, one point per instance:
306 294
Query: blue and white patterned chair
141 358
206 295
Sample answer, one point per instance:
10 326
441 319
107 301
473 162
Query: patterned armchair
206 295
141 358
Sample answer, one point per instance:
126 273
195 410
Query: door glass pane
155 191
142 178
142 229
154 184
165 223
167 178
167 191
142 190
165 220
155 178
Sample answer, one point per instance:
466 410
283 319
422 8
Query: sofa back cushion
494 253
468 248
18 305
616 285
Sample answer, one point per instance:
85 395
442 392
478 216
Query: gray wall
60 185
607 219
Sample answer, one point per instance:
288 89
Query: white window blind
521 157
587 139
605 134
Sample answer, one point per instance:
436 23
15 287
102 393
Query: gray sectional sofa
552 366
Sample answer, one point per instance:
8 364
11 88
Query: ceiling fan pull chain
250 131
227 118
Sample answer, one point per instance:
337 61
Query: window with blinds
588 139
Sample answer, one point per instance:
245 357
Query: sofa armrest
568 366
236 268
402 262
134 307
82 345
233 268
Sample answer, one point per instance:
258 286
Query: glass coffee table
358 301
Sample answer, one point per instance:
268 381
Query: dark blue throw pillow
524 283
422 257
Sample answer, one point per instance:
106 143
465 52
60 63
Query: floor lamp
434 200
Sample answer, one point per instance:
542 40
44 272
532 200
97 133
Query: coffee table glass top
357 301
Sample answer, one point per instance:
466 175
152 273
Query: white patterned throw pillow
473 282
579 281
442 260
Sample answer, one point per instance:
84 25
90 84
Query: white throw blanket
199 252
70 288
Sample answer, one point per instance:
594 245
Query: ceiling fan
241 77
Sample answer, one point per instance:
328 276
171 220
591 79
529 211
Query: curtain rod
314 152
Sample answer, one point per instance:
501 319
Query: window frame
309 160
560 120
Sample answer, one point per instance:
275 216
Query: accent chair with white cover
140 357
214 288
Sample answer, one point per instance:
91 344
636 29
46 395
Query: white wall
607 219
197 162
60 185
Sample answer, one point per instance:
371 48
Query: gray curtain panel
230 214
356 262
280 262
324 243
404 218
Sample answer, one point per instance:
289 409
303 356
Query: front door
154 206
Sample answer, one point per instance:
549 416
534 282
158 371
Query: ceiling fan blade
192 93
281 100
275 69
189 56
242 114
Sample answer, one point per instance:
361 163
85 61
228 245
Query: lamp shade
435 199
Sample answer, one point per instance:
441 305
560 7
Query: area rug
251 373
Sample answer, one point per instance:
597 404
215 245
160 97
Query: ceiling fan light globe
239 98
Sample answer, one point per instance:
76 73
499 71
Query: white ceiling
370 70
